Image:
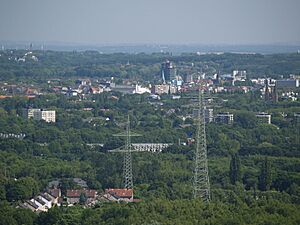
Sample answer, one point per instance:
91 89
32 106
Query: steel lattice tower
127 166
201 186
127 163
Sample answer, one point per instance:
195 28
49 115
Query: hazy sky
151 21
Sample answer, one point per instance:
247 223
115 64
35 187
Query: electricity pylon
201 186
127 163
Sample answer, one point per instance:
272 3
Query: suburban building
40 114
96 90
83 82
287 83
141 90
30 205
43 201
224 117
47 199
125 89
209 114
239 75
119 195
189 78
73 196
55 194
297 118
161 89
29 113
40 203
164 89
263 118
46 115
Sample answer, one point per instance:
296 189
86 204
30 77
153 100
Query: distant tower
275 94
271 92
31 46
163 76
201 186
168 71
267 92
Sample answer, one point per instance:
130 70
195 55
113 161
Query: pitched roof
120 193
45 196
55 192
39 201
80 182
32 204
77 193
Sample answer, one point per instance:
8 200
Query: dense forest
241 183
254 168
142 66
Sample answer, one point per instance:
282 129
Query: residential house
73 196
30 205
46 198
119 195
40 203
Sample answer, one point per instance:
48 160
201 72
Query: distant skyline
92 22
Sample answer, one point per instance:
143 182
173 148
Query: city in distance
149 112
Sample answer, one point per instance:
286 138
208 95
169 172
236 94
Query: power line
201 186
127 163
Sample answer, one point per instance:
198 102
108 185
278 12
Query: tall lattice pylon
201 186
127 163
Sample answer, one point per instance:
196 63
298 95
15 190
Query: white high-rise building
239 75
40 114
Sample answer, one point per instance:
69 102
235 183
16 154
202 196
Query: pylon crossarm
120 149
125 134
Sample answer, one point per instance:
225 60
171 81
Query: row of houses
43 201
92 196
85 88
46 200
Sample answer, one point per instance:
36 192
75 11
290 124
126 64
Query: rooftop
123 193
77 193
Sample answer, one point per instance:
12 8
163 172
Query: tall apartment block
40 114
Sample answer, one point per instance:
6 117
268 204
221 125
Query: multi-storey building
263 118
239 75
40 114
208 113
224 117
164 89
168 71
287 83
